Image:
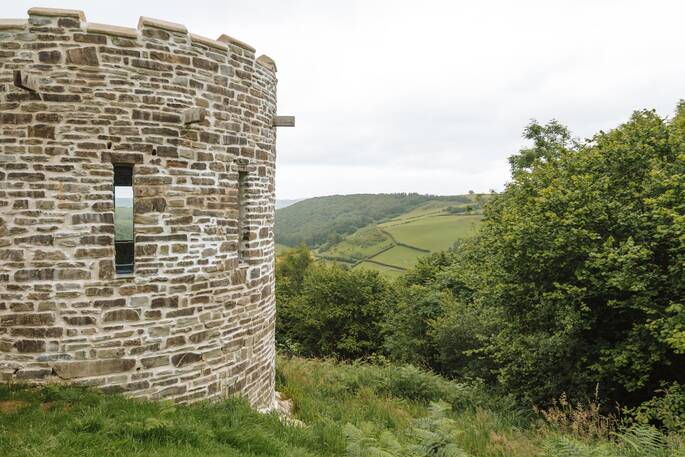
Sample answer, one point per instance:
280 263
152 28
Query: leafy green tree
576 280
290 270
548 142
582 262
337 313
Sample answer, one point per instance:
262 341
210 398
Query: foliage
407 327
576 279
575 283
325 310
582 261
639 441
340 403
666 409
436 436
290 270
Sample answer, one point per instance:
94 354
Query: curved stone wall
195 320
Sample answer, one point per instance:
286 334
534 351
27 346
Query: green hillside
327 220
383 232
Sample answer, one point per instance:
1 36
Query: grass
400 256
347 408
361 244
387 271
427 209
428 227
435 233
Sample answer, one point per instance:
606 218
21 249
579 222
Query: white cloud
432 96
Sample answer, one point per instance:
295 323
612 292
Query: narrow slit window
123 218
243 229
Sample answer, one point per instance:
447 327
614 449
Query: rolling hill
384 232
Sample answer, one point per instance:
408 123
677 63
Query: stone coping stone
7 24
268 62
208 42
56 12
160 24
229 39
126 32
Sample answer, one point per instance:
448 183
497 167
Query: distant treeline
321 220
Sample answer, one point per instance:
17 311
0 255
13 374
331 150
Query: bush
666 409
337 313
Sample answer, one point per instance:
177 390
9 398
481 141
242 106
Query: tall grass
349 410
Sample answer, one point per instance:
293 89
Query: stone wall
195 320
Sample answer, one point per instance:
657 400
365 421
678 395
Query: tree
576 280
582 262
548 143
336 313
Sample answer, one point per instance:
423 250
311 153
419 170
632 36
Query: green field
361 244
400 256
392 229
420 231
387 271
435 233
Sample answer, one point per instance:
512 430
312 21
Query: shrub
337 313
666 409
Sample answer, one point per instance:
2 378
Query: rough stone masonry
194 118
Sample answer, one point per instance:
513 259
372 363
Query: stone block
15 118
42 131
56 12
25 346
50 57
121 315
284 121
23 80
91 368
192 115
79 320
160 24
28 374
185 358
230 40
105 29
267 61
151 65
155 361
27 319
165 302
87 56
13 24
36 274
149 205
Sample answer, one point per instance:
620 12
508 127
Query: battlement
178 33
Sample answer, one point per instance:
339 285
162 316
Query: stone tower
136 209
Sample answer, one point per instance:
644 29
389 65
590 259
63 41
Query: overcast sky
431 96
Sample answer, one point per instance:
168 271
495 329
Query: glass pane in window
123 213
123 218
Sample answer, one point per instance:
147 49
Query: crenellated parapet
189 125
